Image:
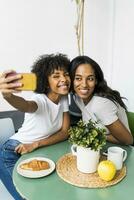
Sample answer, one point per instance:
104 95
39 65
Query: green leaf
87 135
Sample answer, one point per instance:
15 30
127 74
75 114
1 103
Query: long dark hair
45 66
101 88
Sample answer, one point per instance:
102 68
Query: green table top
52 187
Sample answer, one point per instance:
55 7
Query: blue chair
75 112
6 130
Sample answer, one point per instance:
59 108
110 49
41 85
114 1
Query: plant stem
80 26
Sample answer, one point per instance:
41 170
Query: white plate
36 174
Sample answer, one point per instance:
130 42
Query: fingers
9 86
6 73
24 148
18 148
8 81
21 149
12 77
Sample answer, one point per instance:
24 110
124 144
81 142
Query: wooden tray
66 169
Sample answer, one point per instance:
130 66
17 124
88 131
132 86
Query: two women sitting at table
47 120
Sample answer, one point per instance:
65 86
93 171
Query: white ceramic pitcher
87 159
117 155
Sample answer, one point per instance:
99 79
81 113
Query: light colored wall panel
123 50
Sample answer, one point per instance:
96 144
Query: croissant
35 165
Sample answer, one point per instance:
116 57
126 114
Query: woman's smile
84 91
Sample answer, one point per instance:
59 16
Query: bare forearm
26 148
17 102
55 138
119 133
112 139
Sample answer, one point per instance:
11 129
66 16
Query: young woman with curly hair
46 119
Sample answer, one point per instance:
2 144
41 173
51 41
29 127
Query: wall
34 27
31 28
123 48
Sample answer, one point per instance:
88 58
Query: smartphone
29 81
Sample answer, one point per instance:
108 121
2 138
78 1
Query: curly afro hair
45 66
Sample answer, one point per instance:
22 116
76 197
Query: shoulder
105 109
100 99
39 97
64 99
40 100
65 103
104 102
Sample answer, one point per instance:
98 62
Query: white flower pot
87 159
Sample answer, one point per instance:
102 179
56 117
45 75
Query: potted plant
87 139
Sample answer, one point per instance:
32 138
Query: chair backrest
74 111
130 116
6 129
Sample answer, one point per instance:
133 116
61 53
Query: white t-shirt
45 121
102 110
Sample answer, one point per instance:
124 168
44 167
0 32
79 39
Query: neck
54 97
86 101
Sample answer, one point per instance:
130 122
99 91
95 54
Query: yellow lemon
106 170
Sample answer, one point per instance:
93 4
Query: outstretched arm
20 103
8 86
61 135
119 134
